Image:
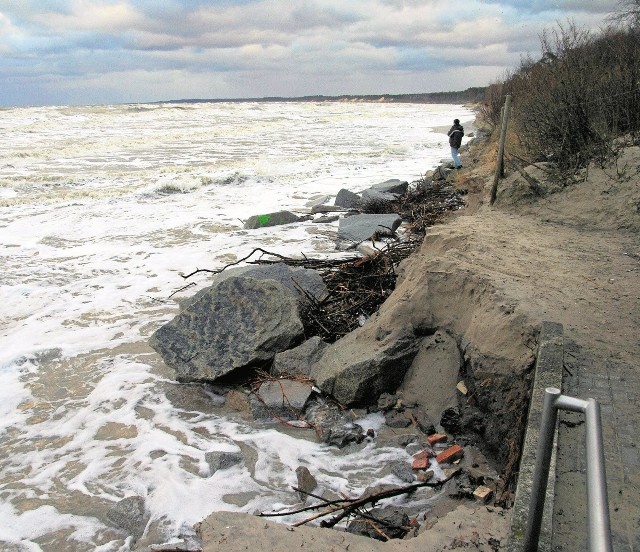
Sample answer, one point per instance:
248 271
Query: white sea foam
101 209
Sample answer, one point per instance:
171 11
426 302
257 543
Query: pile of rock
353 226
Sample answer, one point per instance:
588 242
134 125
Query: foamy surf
102 209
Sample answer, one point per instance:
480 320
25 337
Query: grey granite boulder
128 515
374 196
320 200
347 199
300 281
362 227
221 460
236 325
270 219
328 209
334 426
299 359
282 398
392 186
293 278
356 372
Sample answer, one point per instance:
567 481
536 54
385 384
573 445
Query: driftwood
533 183
346 507
358 285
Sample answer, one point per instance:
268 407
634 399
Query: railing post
597 499
506 111
541 471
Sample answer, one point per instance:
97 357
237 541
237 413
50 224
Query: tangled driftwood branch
357 286
346 507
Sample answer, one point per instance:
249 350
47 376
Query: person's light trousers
455 157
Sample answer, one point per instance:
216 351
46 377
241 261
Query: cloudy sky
112 51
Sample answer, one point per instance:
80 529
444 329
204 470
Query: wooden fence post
506 111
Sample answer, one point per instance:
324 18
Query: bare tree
628 13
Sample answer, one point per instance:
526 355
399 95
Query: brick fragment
482 493
436 438
450 455
421 461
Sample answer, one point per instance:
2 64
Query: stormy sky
114 51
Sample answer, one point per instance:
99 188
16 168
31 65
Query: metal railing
597 500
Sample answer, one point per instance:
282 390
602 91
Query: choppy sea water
101 209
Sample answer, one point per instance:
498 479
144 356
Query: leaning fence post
503 136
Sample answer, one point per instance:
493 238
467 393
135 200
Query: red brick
421 461
436 438
450 455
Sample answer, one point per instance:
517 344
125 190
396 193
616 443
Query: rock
424 476
306 482
294 279
326 220
235 326
347 199
363 227
452 472
396 419
270 219
374 196
318 201
328 209
393 523
333 426
451 420
354 373
221 460
441 173
237 400
281 398
128 515
450 455
433 374
391 186
403 471
387 401
421 420
299 359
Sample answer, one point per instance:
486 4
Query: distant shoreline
470 95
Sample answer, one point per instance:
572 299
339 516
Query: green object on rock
263 220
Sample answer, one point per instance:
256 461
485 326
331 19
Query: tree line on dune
571 105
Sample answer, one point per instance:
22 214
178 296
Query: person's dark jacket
455 136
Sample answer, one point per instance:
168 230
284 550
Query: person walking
455 134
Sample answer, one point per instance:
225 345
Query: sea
103 209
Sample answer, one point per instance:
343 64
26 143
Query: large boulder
270 219
392 186
300 359
373 196
299 280
347 199
235 326
363 227
357 371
